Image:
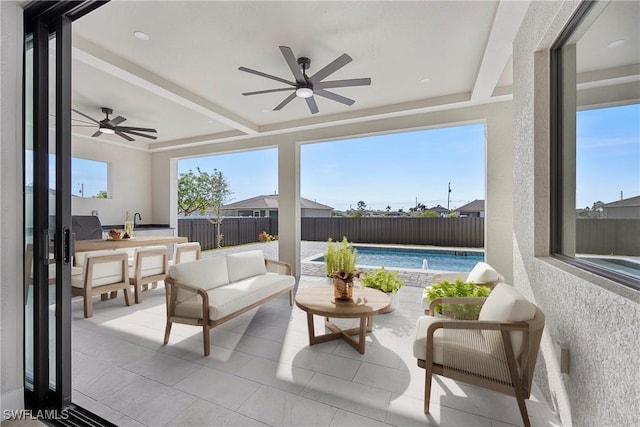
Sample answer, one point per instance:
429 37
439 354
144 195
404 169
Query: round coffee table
365 304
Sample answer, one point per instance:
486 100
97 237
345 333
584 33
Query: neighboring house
441 210
267 206
473 209
623 209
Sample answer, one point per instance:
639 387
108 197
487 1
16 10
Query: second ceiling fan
308 86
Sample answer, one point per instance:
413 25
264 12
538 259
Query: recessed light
141 35
267 111
209 121
425 80
616 43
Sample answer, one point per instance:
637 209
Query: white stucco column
499 210
289 204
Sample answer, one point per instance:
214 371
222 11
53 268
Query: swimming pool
437 259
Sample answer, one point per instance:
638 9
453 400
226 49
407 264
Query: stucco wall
130 176
11 245
596 319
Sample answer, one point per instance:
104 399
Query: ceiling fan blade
333 96
268 91
343 83
98 133
84 115
81 121
130 128
287 100
127 137
137 133
115 121
313 107
334 66
268 76
292 62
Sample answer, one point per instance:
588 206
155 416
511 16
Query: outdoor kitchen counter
137 241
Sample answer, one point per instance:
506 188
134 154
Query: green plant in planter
386 281
340 256
457 289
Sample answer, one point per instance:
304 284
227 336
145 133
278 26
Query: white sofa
211 291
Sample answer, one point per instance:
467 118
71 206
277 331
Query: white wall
498 118
130 181
596 319
11 190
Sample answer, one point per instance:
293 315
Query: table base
366 324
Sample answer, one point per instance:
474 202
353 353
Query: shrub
457 289
386 281
340 256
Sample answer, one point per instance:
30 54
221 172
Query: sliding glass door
47 201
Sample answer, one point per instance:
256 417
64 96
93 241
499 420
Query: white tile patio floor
262 372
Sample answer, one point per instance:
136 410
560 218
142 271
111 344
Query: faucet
136 215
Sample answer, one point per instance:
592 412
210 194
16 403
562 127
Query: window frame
557 145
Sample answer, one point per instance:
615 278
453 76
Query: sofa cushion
245 264
206 273
459 349
226 300
505 303
483 273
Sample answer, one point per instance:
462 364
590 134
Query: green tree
361 205
102 194
201 192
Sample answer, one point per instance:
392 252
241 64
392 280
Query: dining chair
150 266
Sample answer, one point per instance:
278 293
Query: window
596 141
89 178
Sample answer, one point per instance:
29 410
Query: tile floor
262 372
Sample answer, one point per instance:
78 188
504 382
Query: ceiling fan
306 87
110 126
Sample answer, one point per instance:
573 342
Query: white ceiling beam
97 57
506 24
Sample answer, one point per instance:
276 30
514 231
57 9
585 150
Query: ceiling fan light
304 92
107 131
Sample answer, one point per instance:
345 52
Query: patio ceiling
184 81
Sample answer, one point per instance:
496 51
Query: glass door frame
42 21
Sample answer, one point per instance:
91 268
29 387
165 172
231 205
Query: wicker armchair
498 351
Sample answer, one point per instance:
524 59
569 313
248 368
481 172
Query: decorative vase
395 301
342 289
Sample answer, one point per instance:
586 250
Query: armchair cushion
463 349
505 303
483 273
245 264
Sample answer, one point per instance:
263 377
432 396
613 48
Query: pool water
437 259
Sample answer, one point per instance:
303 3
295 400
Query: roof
631 201
271 202
438 209
475 206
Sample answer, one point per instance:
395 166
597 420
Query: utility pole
620 194
449 197
81 190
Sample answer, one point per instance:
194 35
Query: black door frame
41 21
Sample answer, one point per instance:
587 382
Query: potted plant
386 281
457 289
340 263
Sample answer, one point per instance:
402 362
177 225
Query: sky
388 170
397 169
608 154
